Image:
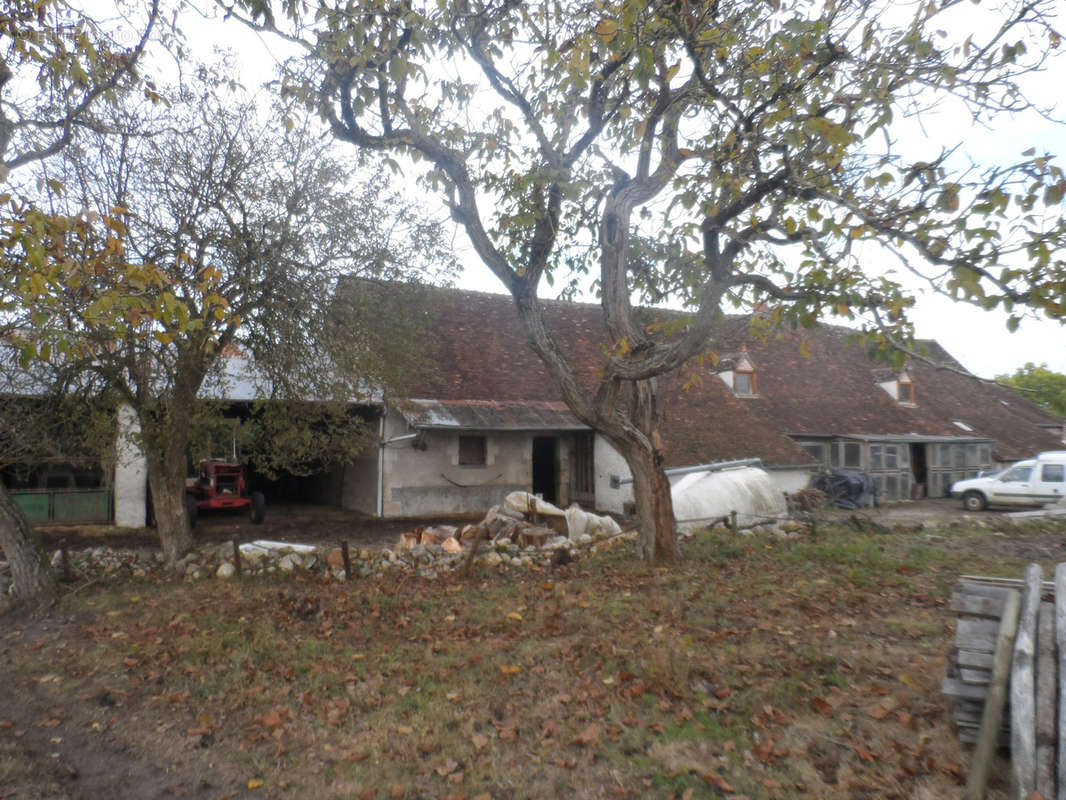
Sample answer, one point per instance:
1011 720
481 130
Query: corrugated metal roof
491 415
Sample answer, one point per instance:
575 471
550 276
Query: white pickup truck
1033 482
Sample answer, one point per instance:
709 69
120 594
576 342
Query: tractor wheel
191 510
974 501
258 509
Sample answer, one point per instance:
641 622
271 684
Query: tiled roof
491 415
475 350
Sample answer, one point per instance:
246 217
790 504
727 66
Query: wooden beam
1023 689
992 717
1060 638
1046 687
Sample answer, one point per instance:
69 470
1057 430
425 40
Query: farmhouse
479 416
483 418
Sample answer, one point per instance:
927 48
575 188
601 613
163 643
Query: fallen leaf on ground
822 706
589 737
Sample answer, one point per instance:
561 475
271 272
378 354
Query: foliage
725 153
799 669
1044 386
302 438
191 245
58 65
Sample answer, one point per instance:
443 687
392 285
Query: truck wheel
974 501
258 508
191 510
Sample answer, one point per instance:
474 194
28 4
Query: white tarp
524 502
700 498
578 522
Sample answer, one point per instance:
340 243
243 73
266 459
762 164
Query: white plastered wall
423 481
131 473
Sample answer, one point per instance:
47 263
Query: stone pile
509 538
523 520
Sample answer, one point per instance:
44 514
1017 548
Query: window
1018 474
744 383
472 451
971 455
852 454
1053 473
876 461
905 392
958 455
817 451
891 457
984 454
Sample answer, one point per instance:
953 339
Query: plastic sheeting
578 522
847 488
701 498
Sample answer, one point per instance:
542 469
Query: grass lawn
759 668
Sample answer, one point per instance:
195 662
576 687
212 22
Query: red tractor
221 485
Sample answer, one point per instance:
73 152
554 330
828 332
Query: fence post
236 555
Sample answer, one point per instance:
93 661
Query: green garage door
65 505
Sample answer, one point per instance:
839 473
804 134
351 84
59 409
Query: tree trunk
34 579
654 504
166 481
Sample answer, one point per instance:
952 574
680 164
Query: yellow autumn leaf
515 616
510 669
255 783
607 29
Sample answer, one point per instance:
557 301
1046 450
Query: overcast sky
978 339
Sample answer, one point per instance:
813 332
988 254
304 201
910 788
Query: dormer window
905 389
739 374
897 385
744 383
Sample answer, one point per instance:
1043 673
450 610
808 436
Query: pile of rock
523 520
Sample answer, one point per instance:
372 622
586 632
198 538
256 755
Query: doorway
545 467
920 472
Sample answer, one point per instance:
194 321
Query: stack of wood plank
1011 633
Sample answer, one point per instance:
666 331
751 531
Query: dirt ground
321 524
296 523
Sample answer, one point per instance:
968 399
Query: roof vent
958 423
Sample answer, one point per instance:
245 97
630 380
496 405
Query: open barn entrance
546 467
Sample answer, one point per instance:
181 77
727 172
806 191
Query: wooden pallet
1004 676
